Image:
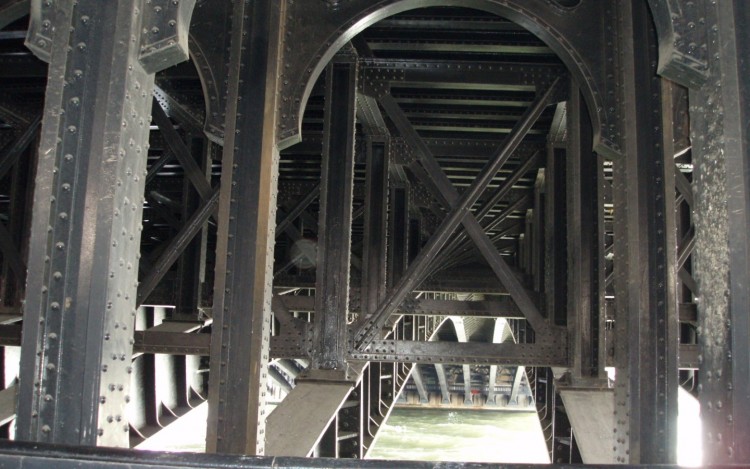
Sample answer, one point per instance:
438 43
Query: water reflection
461 435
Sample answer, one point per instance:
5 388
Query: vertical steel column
415 238
646 320
555 244
376 224
192 263
245 235
537 233
719 113
398 226
335 223
85 234
585 243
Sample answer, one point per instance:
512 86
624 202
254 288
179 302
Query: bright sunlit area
186 434
409 434
448 435
689 442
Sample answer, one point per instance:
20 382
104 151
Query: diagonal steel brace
459 213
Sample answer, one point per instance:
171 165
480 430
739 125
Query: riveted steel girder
375 226
719 112
244 253
459 207
646 335
585 246
472 353
85 235
334 225
317 33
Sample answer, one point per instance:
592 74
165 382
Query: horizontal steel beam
10 335
15 454
471 280
501 307
689 356
480 148
181 343
465 353
171 343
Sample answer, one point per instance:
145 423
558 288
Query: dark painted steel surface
680 58
470 352
458 215
585 233
645 299
244 252
86 229
719 113
334 225
11 154
375 226
177 246
398 234
454 80
317 34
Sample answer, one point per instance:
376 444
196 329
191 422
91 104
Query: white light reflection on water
689 426
448 435
461 435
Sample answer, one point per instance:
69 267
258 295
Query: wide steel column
244 253
335 222
719 113
86 226
585 245
646 322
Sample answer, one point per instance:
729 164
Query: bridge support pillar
646 333
719 112
245 235
86 222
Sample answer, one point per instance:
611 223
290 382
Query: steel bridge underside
307 212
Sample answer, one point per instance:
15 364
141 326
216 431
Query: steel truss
315 198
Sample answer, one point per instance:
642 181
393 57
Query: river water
448 435
461 435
